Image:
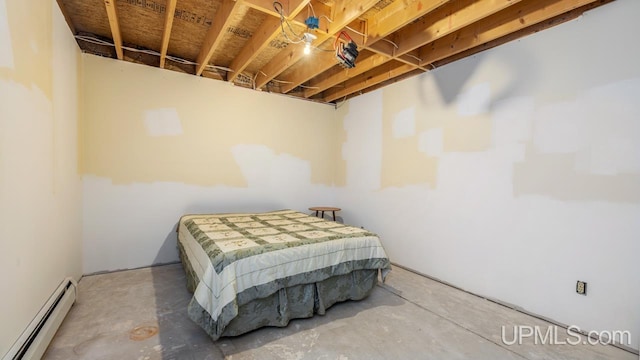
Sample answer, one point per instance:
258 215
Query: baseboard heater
36 337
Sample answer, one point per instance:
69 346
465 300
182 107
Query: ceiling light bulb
308 39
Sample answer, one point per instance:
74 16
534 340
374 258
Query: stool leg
316 213
334 216
323 214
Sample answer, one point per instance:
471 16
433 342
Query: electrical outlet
581 287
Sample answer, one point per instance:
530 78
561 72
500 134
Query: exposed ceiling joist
110 6
395 38
501 24
441 22
166 33
397 15
268 30
346 12
214 35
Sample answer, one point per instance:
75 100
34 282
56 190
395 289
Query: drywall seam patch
404 123
162 122
430 142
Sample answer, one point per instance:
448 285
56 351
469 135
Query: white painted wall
40 189
555 195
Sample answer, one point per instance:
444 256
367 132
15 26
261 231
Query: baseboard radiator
36 337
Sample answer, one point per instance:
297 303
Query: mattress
284 263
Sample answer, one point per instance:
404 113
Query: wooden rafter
455 16
441 22
398 15
548 23
296 17
115 27
501 24
220 22
396 38
346 11
339 75
383 23
382 73
268 30
166 34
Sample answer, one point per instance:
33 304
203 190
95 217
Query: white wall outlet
581 287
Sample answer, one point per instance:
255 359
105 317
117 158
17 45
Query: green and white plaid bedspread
248 256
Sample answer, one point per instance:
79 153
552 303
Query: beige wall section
144 124
32 49
419 124
40 189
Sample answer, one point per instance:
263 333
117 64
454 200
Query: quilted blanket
237 258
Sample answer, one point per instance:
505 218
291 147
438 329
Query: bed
248 271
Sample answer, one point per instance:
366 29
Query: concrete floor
141 314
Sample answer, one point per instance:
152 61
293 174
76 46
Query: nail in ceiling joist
344 12
221 21
115 27
268 30
168 24
516 18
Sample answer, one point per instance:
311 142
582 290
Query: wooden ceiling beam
383 23
379 74
497 26
546 24
446 20
295 15
268 30
443 19
221 21
521 16
115 27
339 75
166 34
397 15
345 11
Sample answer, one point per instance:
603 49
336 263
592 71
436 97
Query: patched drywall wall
40 189
158 144
513 173
149 125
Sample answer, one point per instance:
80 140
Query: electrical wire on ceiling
308 87
283 20
390 42
415 57
148 52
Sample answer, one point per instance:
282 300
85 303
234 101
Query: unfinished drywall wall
513 173
40 189
158 144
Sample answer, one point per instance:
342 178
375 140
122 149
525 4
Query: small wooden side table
322 209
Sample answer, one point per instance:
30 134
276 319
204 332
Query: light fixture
308 39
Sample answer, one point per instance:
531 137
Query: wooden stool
322 209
